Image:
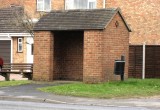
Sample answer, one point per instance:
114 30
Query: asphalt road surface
17 105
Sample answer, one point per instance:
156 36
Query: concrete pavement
29 93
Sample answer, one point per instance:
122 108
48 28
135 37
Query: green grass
126 89
13 83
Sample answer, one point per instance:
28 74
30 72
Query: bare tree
22 19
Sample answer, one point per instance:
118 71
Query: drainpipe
143 62
104 3
9 36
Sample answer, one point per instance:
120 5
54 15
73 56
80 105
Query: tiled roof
8 23
77 19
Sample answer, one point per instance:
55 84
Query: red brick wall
115 44
102 48
58 4
92 64
43 56
7 3
143 18
68 57
31 8
62 61
99 4
19 57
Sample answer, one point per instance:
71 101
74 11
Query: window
91 4
43 5
80 4
20 44
32 47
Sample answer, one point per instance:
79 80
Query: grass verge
13 83
127 89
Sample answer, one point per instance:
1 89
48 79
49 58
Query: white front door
30 49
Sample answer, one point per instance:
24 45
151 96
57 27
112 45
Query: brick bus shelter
80 45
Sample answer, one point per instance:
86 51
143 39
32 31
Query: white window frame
43 4
69 4
20 44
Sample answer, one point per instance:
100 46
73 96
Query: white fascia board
16 34
5 38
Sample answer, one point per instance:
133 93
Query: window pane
20 44
39 1
76 4
80 4
83 4
47 5
69 4
92 5
39 6
19 40
20 47
32 49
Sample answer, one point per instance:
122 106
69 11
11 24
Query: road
17 105
29 92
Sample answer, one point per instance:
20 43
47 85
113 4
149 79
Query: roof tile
7 18
76 19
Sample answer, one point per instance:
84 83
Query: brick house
15 41
80 45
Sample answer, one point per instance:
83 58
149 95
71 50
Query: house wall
30 6
19 57
7 3
143 18
55 5
16 57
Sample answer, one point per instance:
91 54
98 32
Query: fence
152 61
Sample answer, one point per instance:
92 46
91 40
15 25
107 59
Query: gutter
15 35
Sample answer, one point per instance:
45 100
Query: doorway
68 55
